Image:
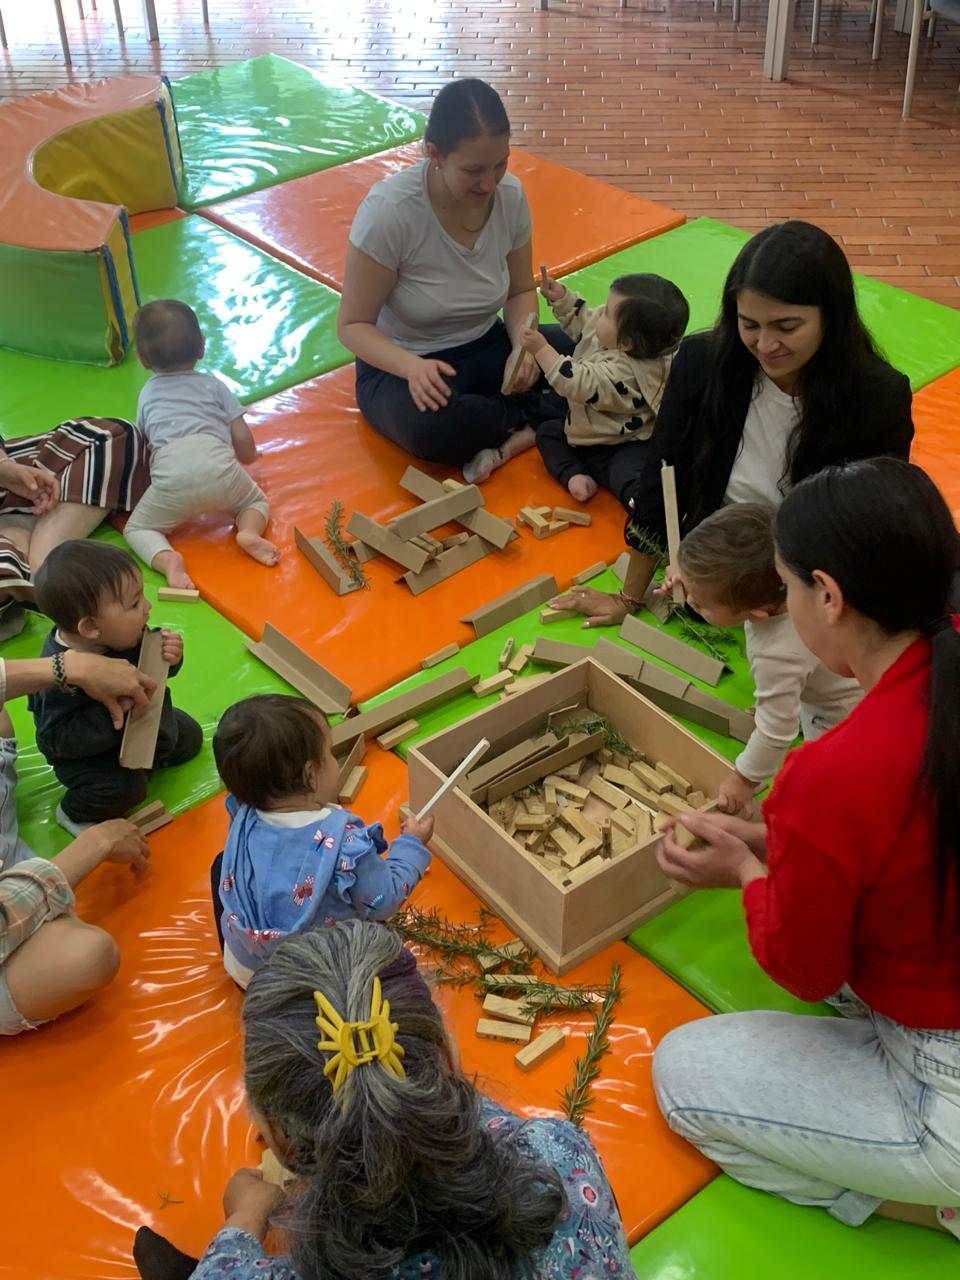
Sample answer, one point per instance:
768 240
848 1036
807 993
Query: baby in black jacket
93 592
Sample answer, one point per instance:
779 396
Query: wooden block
679 783
534 1053
452 484
652 780
138 745
621 565
671 650
684 838
609 794
512 604
621 818
531 517
673 805
660 606
387 714
552 527
520 659
534 804
643 822
349 759
550 798
320 686
515 358
431 550
586 574
506 653
326 564
447 564
492 1029
386 542
579 745
506 980
669 484
696 799
492 684
508 1010
584 851
606 837
619 777
509 761
564 841
557 615
525 682
448 651
348 791
437 511
566 787
453 540
534 822
184 595
584 828
151 817
490 527
397 734
572 517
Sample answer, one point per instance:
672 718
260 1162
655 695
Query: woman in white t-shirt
436 252
786 383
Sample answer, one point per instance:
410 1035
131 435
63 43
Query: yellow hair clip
356 1043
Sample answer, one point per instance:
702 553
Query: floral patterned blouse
588 1244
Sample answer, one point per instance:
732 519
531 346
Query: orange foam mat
576 219
936 445
315 447
131 1110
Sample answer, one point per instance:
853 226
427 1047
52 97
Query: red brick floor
664 98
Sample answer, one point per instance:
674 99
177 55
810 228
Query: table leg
150 18
776 54
63 33
901 21
918 6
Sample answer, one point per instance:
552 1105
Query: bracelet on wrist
60 674
630 601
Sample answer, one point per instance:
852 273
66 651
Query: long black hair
881 529
799 264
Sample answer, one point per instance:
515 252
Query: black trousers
99 787
615 467
475 417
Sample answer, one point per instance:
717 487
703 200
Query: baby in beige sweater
613 382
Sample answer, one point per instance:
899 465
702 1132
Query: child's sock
582 487
157 1259
482 465
68 824
949 1219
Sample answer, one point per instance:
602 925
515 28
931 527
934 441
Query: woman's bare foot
259 548
173 567
482 466
581 487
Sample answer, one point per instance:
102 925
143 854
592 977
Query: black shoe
158 1259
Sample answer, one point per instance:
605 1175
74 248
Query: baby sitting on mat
197 435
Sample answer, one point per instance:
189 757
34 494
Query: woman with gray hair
401 1168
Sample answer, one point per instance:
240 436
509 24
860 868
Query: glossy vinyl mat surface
156 1121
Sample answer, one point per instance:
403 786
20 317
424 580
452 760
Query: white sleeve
231 406
780 677
522 228
140 402
377 231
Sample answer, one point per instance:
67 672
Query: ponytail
390 1166
882 529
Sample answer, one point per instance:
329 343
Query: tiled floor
665 98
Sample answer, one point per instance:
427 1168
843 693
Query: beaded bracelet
60 674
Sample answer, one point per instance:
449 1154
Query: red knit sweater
851 890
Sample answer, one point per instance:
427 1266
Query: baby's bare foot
173 567
262 550
582 487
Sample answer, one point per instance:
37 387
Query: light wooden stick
482 746
669 481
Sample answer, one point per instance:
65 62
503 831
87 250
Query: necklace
464 226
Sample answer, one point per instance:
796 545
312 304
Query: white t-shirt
762 456
795 693
446 294
174 406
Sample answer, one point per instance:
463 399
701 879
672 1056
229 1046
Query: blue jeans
843 1113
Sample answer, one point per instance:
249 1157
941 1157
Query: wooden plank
566 787
557 615
138 746
534 1053
520 659
441 655
403 706
492 1029
610 795
580 745
585 575
151 817
392 737
584 828
679 783
511 604
651 779
508 1010
506 653
446 564
516 357
492 684
509 761
672 650
668 482
437 511
519 685
325 563
531 517
490 527
348 761
553 526
306 675
570 516
180 595
386 542
347 792
361 552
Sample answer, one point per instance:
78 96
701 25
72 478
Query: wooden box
564 923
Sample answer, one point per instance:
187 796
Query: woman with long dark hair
399 1168
787 382
851 883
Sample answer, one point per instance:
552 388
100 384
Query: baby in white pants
198 438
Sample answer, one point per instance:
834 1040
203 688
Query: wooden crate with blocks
553 829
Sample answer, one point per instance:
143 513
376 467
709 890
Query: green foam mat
731 1232
920 337
267 327
257 123
217 671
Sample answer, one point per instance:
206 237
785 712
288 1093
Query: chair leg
717 5
815 22
150 19
3 34
65 45
877 28
931 26
119 17
80 10
912 57
736 12
206 11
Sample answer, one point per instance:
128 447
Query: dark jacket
881 425
73 726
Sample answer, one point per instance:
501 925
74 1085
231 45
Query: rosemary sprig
594 724
458 949
577 1097
339 548
546 997
714 640
643 541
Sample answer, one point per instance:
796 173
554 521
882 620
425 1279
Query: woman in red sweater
851 883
